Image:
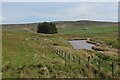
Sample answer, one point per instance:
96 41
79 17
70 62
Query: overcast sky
24 12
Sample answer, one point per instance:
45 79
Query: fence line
77 60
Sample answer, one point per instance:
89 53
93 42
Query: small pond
81 44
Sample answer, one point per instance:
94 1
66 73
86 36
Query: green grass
25 57
19 52
106 33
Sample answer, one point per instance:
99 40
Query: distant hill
59 24
82 23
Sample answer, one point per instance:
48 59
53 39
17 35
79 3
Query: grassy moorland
106 33
27 54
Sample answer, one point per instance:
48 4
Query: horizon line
59 21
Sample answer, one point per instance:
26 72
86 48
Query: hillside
59 24
83 23
28 54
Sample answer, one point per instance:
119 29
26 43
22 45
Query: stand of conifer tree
47 28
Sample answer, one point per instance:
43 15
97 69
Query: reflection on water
81 44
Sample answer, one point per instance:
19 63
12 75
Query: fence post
68 56
112 69
99 66
73 58
88 59
89 65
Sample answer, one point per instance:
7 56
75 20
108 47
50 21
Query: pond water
81 44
